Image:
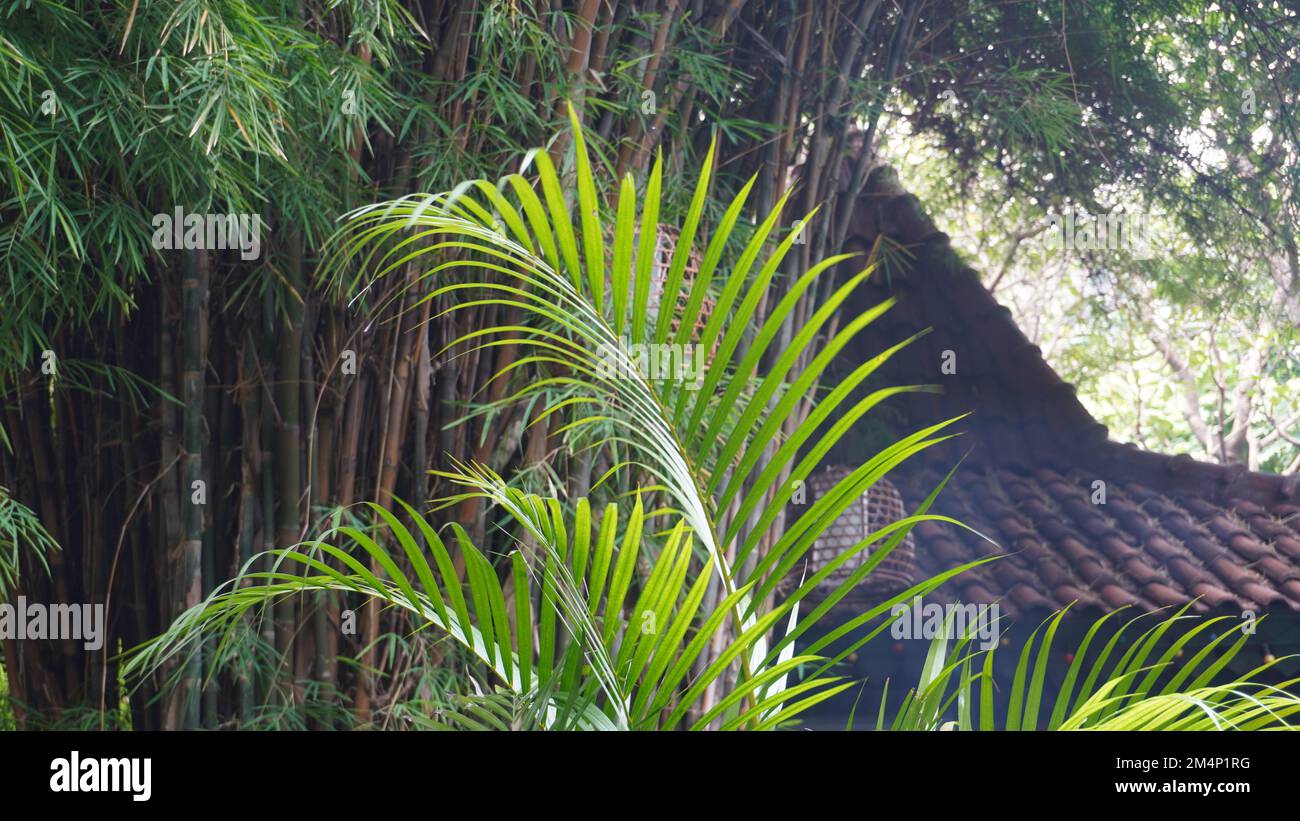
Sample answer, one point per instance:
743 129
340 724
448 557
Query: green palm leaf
1128 694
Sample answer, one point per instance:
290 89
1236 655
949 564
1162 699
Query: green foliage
610 646
7 722
1167 109
185 104
272 108
1148 686
699 446
21 533
601 619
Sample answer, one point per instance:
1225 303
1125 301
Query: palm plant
1145 687
720 457
603 651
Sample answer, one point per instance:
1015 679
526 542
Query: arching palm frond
721 447
628 657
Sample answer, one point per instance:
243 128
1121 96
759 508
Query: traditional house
1078 519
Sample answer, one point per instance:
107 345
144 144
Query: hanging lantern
879 506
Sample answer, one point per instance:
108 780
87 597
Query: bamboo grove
170 414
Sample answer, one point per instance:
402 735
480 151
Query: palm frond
1134 692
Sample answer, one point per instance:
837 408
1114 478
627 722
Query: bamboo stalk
189 578
251 459
288 450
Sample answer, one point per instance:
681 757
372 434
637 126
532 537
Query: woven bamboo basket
665 245
879 506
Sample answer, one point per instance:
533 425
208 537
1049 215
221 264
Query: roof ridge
1181 470
1032 415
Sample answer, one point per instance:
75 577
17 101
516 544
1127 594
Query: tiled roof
1171 529
1146 546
